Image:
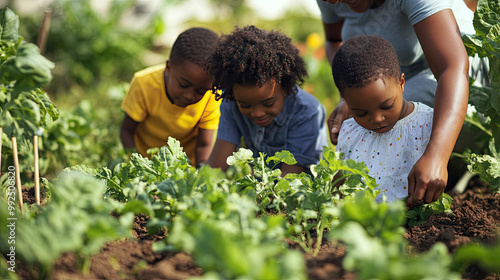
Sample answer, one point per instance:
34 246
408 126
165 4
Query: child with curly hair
386 132
259 72
174 99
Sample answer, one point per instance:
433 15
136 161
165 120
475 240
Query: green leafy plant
419 214
375 258
77 220
224 235
204 215
486 44
24 105
488 169
311 202
486 100
380 220
483 255
376 248
23 70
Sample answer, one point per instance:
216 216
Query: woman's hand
427 180
337 117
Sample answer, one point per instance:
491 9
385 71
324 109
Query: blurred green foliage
90 48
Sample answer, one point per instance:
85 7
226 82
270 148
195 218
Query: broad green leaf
28 68
282 156
175 147
480 98
9 25
483 255
487 15
420 213
314 200
242 155
474 45
488 169
371 259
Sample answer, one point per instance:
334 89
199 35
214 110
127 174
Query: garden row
233 224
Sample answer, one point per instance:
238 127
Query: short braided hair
194 45
251 56
363 59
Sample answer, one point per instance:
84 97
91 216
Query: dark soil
475 218
29 195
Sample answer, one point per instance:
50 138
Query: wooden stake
37 175
18 173
44 31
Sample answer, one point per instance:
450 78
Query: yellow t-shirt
147 103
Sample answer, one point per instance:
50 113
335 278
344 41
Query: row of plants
233 224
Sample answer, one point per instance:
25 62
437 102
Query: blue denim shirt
299 128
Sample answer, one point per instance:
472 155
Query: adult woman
427 40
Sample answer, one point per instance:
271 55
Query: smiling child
174 99
386 132
259 72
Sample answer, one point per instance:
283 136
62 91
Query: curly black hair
194 45
363 59
251 56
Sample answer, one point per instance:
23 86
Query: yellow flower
314 41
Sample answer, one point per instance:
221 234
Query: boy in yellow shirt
174 99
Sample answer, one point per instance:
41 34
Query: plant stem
480 126
302 243
319 230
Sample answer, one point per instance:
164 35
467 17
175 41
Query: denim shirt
299 128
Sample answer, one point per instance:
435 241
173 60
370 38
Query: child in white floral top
388 133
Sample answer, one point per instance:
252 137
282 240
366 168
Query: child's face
186 82
379 105
260 104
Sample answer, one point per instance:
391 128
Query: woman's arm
333 35
445 52
204 145
221 151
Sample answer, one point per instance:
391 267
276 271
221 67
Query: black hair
251 56
194 45
363 59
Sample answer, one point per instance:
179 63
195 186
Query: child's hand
337 117
426 180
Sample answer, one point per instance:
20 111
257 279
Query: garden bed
475 218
